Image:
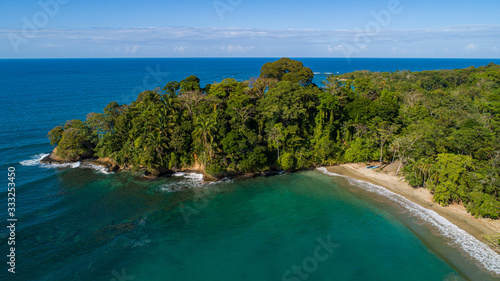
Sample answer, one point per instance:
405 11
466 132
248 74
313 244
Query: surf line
458 237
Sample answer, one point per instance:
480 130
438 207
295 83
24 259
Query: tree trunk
381 151
278 145
399 166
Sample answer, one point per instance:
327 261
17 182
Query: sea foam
35 161
194 176
459 238
192 180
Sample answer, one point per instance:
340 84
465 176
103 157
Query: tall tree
204 134
286 69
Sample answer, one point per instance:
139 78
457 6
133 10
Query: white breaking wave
35 161
174 187
325 73
98 168
194 176
459 238
193 180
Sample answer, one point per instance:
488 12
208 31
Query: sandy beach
386 177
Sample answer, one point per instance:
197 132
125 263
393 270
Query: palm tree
166 117
204 133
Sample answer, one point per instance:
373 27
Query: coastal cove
442 126
449 222
456 213
207 178
155 213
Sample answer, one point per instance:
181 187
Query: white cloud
471 47
154 35
132 49
338 48
203 41
237 48
180 49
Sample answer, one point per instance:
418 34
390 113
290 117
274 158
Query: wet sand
386 177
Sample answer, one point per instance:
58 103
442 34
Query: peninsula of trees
443 126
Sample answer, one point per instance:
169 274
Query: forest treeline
443 126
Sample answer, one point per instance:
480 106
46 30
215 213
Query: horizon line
271 57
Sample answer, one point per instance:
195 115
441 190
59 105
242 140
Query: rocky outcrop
209 178
106 162
156 173
149 174
55 158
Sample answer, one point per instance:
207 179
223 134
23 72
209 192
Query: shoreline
384 177
455 213
453 222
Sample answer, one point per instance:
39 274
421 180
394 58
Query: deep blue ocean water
82 224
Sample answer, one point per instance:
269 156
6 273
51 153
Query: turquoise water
78 223
94 226
254 229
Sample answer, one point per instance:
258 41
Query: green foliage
255 161
216 170
226 88
360 110
288 161
471 138
112 109
450 178
55 135
75 142
98 123
326 151
443 126
484 205
147 97
359 151
190 84
286 69
172 87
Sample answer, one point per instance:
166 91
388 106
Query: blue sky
250 28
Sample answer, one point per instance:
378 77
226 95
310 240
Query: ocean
78 222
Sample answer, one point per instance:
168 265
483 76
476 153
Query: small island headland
442 127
